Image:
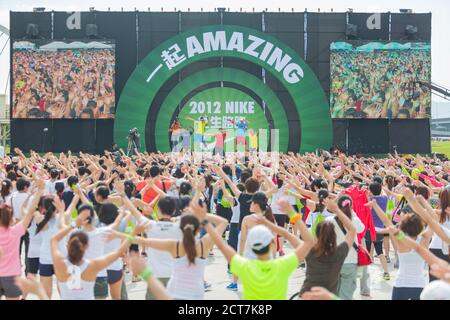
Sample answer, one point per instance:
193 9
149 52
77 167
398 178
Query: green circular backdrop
172 56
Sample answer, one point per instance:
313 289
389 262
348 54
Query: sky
440 9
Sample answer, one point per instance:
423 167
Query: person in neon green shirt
264 278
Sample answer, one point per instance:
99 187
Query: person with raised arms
10 236
75 274
263 278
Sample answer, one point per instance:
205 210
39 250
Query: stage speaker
411 32
91 30
32 30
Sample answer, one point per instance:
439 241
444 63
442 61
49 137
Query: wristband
335 297
400 236
294 219
131 238
147 273
292 214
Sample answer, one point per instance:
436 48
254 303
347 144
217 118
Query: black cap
261 199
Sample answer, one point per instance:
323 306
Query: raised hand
285 206
119 186
59 205
140 228
198 210
331 204
137 263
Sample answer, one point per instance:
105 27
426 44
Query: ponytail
6 188
76 246
345 203
5 215
47 204
189 225
268 214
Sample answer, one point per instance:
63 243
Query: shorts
281 219
31 265
101 288
114 276
46 270
198 138
8 287
378 243
240 140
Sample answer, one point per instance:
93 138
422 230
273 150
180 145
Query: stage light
162 9
350 10
411 32
32 30
351 31
221 9
253 9
331 9
91 30
279 10
318 9
39 9
406 11
240 9
91 9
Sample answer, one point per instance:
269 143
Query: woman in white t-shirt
411 277
76 274
349 270
318 210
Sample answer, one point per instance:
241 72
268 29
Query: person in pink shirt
10 243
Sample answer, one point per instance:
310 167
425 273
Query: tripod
132 148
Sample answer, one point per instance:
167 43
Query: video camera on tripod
133 142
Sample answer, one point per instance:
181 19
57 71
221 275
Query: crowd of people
63 84
380 84
82 220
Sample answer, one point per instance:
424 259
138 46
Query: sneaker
386 276
388 260
232 286
207 285
365 294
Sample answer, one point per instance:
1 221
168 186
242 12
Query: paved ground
216 275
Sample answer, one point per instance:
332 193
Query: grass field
441 147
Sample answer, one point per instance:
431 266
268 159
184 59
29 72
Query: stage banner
176 53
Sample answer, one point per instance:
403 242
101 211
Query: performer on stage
175 130
253 140
199 129
242 126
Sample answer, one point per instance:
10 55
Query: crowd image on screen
75 83
380 84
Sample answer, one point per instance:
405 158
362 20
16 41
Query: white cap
436 290
259 237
